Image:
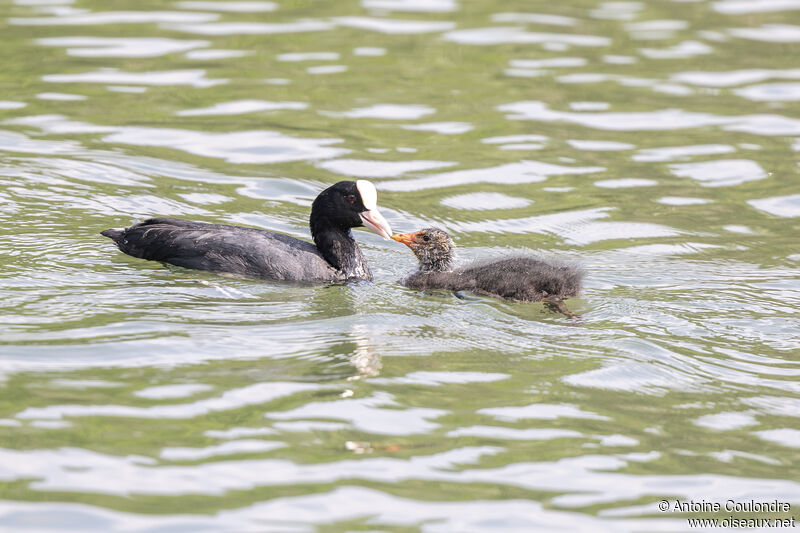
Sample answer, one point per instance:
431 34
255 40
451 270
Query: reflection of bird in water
252 252
518 278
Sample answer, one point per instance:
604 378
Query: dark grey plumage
514 278
334 255
235 249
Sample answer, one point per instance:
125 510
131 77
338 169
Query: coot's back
238 250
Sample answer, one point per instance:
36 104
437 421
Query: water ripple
394 26
249 6
427 6
771 33
781 206
250 28
379 169
720 173
511 173
231 399
241 106
374 406
236 147
516 35
193 77
120 46
115 17
667 119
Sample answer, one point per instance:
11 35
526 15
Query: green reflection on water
717 325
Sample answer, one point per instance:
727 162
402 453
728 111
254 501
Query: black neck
434 260
438 264
336 245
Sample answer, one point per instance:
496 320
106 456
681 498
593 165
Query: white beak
373 220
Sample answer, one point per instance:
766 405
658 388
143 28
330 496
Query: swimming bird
334 255
520 278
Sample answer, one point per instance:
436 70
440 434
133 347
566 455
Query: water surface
656 143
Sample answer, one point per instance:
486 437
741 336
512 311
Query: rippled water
654 142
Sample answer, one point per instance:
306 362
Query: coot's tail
113 234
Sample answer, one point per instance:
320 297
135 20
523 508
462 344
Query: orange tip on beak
405 238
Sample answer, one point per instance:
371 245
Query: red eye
351 198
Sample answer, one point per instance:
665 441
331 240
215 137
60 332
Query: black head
348 204
433 247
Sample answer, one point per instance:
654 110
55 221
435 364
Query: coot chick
258 253
518 278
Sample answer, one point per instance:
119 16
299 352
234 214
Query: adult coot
259 253
519 278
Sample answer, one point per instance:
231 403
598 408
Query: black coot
515 278
252 252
